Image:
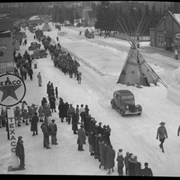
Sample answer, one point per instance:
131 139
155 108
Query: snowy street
101 60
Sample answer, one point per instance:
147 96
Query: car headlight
127 106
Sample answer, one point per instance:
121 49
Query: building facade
165 33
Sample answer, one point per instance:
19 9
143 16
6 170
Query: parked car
124 102
39 53
33 46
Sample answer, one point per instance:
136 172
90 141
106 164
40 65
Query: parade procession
89 88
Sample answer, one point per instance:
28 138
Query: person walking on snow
162 135
178 130
39 79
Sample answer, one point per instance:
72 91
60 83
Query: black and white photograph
90 88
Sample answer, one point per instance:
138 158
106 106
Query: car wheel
112 104
139 114
122 113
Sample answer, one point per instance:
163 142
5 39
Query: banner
11 124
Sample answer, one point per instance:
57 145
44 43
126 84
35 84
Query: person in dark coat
77 112
107 134
53 130
46 132
120 162
56 92
66 106
100 129
126 163
91 142
30 73
146 171
20 152
34 122
86 109
178 131
110 156
43 101
61 109
98 138
131 162
70 113
137 167
81 138
103 150
52 102
74 123
162 135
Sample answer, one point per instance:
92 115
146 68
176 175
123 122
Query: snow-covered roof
34 18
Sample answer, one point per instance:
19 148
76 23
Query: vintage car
33 46
39 53
124 102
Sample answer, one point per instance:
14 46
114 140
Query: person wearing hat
81 138
146 171
110 157
162 135
34 123
20 152
100 129
120 162
126 163
53 130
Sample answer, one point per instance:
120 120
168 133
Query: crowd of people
83 124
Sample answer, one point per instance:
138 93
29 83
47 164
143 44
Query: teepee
136 71
46 27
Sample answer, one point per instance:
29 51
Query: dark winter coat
110 156
74 122
161 133
70 111
147 172
103 151
34 123
120 160
45 129
120 163
62 110
131 167
91 139
52 101
137 169
53 129
19 150
81 137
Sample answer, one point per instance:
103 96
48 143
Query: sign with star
12 89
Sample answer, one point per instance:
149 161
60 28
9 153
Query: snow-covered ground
101 61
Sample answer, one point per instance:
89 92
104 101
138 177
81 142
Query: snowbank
173 92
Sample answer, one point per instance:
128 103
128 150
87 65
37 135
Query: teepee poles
124 32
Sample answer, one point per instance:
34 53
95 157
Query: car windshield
128 99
